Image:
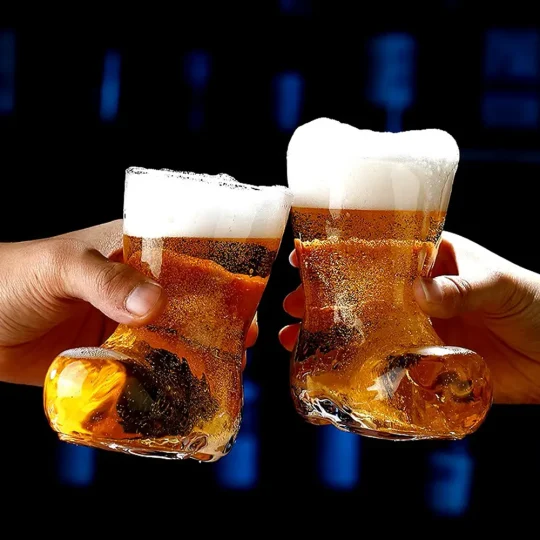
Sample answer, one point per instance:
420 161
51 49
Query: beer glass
368 213
173 389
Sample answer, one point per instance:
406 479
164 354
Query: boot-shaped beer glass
173 388
368 214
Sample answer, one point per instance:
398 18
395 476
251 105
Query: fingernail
143 299
432 291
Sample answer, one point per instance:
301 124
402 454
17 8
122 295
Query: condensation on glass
173 388
368 213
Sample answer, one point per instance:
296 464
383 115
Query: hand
69 291
479 301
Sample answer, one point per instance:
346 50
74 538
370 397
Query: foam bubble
165 203
337 166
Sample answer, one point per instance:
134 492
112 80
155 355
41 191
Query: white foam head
165 203
337 166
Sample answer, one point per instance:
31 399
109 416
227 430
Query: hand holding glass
368 214
173 389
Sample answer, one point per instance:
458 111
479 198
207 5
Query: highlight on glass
173 389
368 213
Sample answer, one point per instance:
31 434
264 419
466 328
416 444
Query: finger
289 335
293 258
106 238
447 296
117 290
294 303
252 333
445 262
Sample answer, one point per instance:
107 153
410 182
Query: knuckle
56 256
511 297
503 280
461 287
59 251
112 277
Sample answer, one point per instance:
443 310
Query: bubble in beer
173 388
368 213
163 397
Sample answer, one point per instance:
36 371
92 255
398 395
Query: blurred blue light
239 470
197 68
7 71
512 55
76 465
289 89
449 487
392 74
110 86
339 458
515 110
295 7
196 117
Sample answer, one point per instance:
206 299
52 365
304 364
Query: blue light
289 89
295 7
197 69
239 470
339 458
7 71
196 117
516 110
110 86
449 487
393 65
76 465
512 55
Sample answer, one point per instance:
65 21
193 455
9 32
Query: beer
173 388
368 359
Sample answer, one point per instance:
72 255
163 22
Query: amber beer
174 388
368 359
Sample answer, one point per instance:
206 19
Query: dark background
220 89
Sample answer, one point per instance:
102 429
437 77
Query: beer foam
165 203
337 166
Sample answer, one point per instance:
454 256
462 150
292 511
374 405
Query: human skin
476 300
69 291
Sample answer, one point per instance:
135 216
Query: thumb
447 296
116 289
